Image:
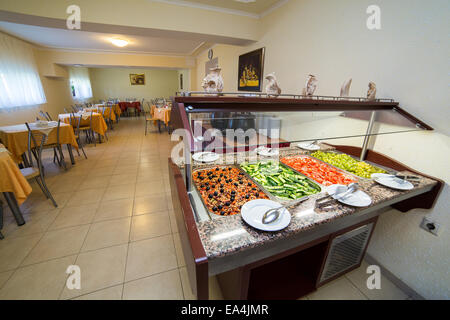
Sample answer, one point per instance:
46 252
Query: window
20 84
80 84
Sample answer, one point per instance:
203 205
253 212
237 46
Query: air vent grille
346 251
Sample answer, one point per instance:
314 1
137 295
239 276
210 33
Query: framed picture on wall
137 79
251 70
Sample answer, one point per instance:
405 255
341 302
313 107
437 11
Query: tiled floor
115 221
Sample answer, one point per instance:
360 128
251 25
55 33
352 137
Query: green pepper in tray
280 181
345 162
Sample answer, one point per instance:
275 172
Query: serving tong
352 187
404 177
275 212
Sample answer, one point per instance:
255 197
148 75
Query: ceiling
93 41
258 7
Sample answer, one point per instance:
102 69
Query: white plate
252 212
267 152
308 146
205 156
391 182
356 199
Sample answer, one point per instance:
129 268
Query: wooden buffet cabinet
289 264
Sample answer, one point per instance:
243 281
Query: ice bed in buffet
321 242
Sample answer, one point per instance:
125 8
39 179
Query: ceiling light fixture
245 1
119 42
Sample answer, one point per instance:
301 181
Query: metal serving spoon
275 212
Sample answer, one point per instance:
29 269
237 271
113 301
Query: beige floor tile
129 164
169 200
100 269
121 179
151 256
149 204
39 281
114 209
112 293
148 156
162 286
57 244
187 291
147 188
41 204
107 233
67 184
150 166
119 192
339 289
124 167
104 171
35 223
150 226
388 291
173 222
74 216
87 196
215 293
14 250
94 182
109 162
149 176
4 276
179 251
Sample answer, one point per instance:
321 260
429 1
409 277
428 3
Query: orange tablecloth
104 110
11 179
98 123
162 114
15 138
116 108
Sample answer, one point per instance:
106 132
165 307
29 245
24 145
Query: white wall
115 83
408 60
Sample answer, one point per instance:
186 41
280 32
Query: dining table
161 114
106 111
124 105
98 122
15 138
13 184
116 108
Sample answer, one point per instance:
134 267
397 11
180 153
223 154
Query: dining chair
57 149
36 142
109 111
148 115
88 129
44 115
75 123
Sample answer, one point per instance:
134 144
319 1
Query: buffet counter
232 248
214 203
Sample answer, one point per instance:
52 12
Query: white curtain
80 83
20 84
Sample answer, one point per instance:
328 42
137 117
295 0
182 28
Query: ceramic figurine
345 89
213 82
310 86
272 88
371 93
